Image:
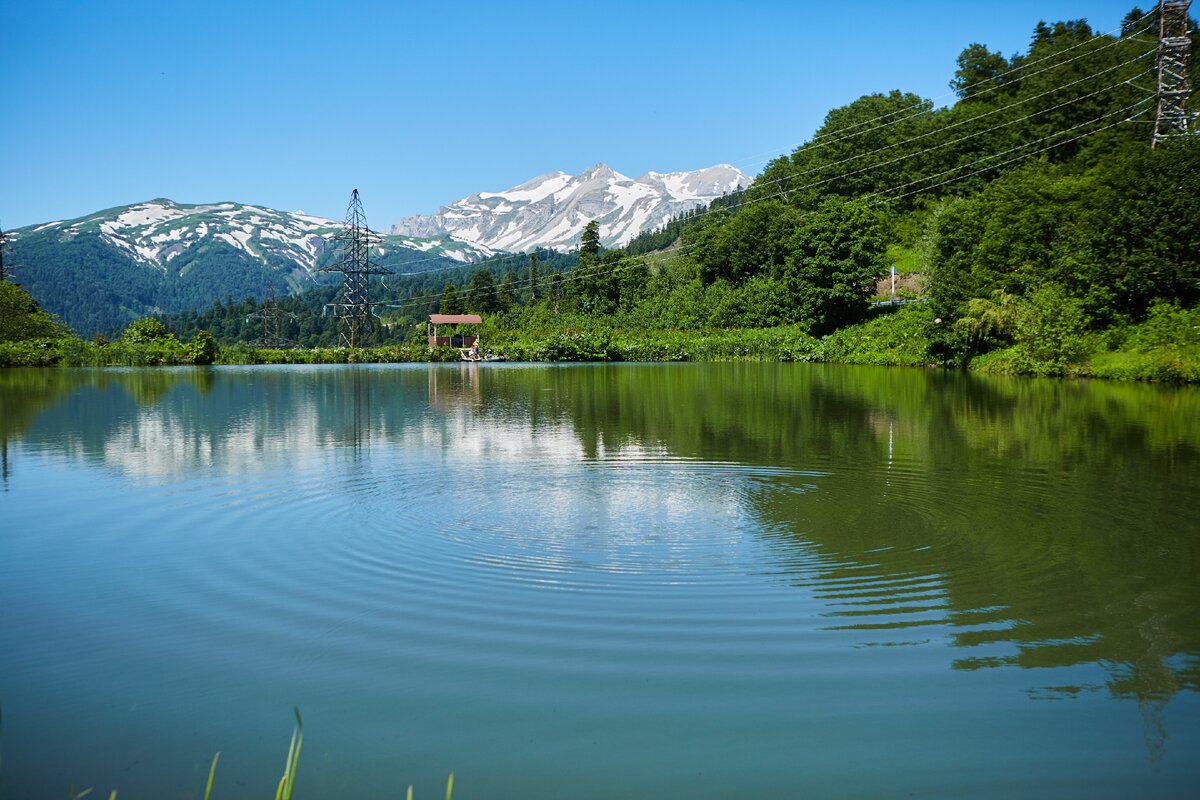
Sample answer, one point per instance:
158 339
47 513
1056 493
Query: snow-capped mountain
100 271
552 209
157 232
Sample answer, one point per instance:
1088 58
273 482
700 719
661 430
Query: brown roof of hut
455 319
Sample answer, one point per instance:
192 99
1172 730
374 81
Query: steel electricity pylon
272 319
1173 117
352 308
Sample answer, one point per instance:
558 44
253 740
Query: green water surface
709 581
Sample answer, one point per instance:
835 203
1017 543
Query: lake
598 581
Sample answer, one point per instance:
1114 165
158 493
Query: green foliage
481 293
990 321
506 293
145 330
754 241
760 302
577 346
203 349
1050 333
901 338
450 302
22 319
32 353
287 783
837 254
590 241
980 72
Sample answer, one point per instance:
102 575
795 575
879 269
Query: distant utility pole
356 323
1173 117
272 327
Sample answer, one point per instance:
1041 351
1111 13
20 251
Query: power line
1013 149
978 117
921 108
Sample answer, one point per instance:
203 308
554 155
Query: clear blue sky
291 105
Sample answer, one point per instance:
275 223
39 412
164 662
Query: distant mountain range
552 209
157 232
103 270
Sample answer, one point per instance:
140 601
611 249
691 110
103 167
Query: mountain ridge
550 210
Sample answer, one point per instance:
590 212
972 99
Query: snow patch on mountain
551 210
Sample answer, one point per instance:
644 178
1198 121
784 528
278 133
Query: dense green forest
1039 230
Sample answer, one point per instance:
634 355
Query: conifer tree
450 303
590 245
533 277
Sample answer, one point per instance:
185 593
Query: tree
506 295
837 255
533 277
590 242
203 349
979 71
1143 232
21 318
450 302
481 292
754 241
145 330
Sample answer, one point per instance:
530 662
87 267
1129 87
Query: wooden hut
444 331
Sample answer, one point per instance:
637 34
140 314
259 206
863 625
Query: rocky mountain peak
552 209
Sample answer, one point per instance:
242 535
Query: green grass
287 783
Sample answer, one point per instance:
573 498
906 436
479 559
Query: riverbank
1163 348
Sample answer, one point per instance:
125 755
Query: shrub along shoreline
1163 348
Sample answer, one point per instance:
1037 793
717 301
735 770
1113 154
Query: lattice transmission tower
1174 42
356 323
271 317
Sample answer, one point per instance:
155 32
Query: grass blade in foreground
288 781
211 771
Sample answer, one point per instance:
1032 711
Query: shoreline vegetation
1165 347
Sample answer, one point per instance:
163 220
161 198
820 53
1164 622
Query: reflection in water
1028 524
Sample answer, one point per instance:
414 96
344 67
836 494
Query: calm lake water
694 581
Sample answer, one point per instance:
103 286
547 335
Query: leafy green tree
1050 334
1143 229
836 256
145 330
203 348
761 302
21 318
755 240
852 154
989 321
980 73
632 281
